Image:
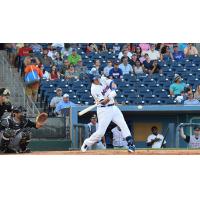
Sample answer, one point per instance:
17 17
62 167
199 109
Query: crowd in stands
64 65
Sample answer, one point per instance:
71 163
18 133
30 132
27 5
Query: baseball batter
192 140
103 91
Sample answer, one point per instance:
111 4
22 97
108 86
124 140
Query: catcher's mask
19 110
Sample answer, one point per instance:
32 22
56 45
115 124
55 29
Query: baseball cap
93 117
4 92
176 77
197 127
134 54
18 109
175 45
73 49
65 96
116 62
58 89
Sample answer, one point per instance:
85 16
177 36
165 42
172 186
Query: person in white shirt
125 66
118 140
153 54
155 140
92 127
107 69
125 53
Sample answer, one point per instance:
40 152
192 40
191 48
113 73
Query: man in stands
177 87
133 59
153 54
107 68
125 52
191 100
96 70
116 72
63 104
74 57
190 50
45 59
80 68
55 100
65 66
177 55
125 66
147 63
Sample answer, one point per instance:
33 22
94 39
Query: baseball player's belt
109 105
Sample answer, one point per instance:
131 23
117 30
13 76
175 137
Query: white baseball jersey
158 143
194 142
99 92
118 140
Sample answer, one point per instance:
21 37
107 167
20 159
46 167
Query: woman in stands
138 68
54 74
71 73
166 55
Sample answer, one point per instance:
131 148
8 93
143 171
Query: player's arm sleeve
187 139
31 124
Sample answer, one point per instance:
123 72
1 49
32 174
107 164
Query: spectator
155 68
166 55
55 100
116 72
66 51
45 59
71 73
145 47
91 47
46 74
116 47
32 89
197 93
125 66
63 104
181 98
192 140
125 53
177 55
118 141
191 100
177 87
147 63
74 57
138 68
107 68
133 59
103 47
92 127
58 59
190 50
96 70
155 139
52 51
54 74
153 54
80 68
138 52
65 66
24 51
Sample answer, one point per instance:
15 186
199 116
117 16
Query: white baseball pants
105 116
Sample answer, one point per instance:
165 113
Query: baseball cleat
131 148
84 148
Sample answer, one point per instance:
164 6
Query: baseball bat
165 135
87 109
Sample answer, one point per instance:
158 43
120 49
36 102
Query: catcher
15 130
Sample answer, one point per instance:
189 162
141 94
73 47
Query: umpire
5 105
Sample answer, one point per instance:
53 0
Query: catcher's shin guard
4 142
26 137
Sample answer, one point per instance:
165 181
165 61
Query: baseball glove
41 119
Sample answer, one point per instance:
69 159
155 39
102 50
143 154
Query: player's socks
131 146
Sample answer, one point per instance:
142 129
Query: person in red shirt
24 51
54 74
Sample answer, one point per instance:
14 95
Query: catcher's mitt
41 119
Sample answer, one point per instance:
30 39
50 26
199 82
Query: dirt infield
123 152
